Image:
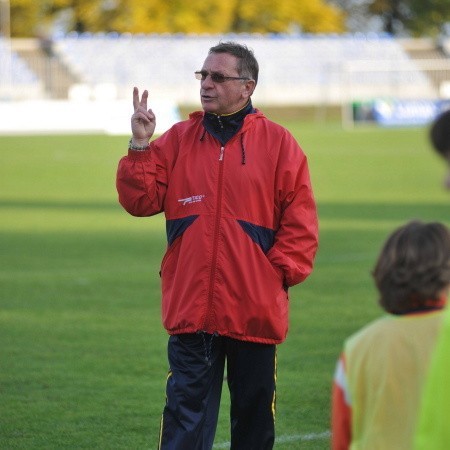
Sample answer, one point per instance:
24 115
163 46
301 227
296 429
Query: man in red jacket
241 229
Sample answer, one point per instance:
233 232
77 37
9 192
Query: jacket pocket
176 227
263 239
169 252
262 236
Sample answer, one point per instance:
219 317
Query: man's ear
249 88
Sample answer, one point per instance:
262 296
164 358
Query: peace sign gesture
143 120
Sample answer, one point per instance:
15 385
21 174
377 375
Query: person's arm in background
433 427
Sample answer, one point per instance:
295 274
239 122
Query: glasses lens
218 77
215 77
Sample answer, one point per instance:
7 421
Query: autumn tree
426 17
178 16
414 17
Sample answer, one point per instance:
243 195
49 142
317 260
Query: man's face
226 97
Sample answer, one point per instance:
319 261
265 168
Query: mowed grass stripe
83 354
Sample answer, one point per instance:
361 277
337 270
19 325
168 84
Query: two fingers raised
140 105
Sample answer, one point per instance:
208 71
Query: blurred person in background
380 375
241 228
440 138
433 431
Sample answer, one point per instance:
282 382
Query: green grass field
82 349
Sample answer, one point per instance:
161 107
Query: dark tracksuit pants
194 387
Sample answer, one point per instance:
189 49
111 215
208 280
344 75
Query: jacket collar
224 127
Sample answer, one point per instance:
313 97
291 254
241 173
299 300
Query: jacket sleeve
142 178
296 239
341 412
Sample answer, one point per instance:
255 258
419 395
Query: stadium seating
17 81
294 69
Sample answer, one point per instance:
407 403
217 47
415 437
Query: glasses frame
216 77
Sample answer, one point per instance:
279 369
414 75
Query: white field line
288 438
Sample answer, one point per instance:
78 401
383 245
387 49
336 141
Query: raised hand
143 121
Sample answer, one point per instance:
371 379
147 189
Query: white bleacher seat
17 81
293 68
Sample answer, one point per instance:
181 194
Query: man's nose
207 82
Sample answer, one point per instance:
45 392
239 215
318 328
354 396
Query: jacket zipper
216 239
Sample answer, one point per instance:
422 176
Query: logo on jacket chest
192 199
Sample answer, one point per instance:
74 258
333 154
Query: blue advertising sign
395 112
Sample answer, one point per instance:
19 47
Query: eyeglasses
216 77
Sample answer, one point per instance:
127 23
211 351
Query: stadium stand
17 81
295 69
77 75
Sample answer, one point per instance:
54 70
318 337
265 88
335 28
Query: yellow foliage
179 16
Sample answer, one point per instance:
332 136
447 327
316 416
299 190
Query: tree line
416 17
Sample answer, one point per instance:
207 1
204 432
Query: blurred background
83 351
384 61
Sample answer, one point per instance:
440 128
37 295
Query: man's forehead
216 62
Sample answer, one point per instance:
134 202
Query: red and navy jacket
241 224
